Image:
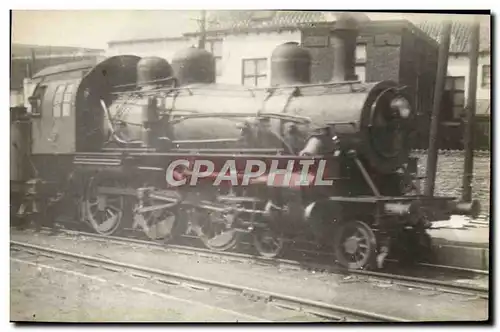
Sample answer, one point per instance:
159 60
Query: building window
254 72
486 76
361 62
215 47
453 98
61 105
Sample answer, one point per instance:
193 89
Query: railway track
325 311
390 278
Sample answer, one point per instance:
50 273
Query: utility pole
33 62
30 64
436 108
470 114
203 30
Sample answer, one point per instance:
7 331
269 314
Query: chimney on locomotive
343 39
290 64
194 65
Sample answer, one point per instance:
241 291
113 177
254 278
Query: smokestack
343 40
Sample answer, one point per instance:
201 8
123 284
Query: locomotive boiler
105 135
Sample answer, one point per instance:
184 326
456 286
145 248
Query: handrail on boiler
289 117
190 89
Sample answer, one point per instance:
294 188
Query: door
54 126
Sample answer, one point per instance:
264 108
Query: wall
249 46
16 98
382 62
382 56
162 48
452 136
235 48
450 171
458 65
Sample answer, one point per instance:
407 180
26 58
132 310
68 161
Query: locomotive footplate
437 208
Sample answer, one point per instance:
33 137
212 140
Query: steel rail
402 280
322 309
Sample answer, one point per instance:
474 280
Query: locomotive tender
103 136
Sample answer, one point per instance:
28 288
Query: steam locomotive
101 135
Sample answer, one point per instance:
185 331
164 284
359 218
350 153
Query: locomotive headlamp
335 141
401 106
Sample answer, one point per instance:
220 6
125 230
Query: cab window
61 106
67 97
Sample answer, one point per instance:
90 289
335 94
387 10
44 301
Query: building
242 43
457 84
26 60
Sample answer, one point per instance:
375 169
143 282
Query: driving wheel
355 245
160 224
103 212
268 243
213 230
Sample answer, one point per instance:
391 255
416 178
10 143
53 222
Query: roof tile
241 20
460 34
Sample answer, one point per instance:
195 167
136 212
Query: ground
39 294
52 295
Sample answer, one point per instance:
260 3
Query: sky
95 28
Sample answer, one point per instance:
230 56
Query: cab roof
69 67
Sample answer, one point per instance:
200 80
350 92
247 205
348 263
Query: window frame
485 85
59 104
361 63
453 91
255 75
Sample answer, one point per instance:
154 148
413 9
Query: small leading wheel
104 213
268 243
355 245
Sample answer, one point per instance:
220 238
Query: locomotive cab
65 106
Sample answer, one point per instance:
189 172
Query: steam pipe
150 123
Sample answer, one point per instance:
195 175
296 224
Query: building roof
69 66
460 34
25 50
268 20
238 21
243 21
